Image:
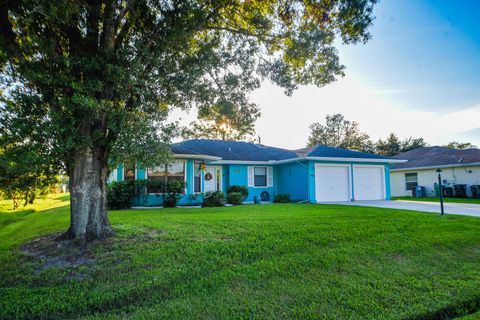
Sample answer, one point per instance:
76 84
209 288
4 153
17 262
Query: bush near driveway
237 188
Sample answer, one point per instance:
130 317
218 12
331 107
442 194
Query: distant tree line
342 133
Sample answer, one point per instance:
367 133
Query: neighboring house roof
247 151
434 157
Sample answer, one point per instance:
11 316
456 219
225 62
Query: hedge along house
315 174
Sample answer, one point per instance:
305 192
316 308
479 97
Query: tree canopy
460 145
341 133
92 82
224 121
394 145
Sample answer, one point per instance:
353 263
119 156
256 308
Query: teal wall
291 180
120 173
189 179
238 175
387 182
311 182
141 173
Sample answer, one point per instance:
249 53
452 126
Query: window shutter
269 177
250 176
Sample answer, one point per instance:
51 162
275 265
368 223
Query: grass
433 199
258 261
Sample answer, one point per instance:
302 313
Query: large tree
93 81
339 132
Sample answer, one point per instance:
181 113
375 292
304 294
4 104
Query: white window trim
114 175
266 177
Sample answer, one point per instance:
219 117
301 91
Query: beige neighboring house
459 167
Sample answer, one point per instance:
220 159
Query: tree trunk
88 196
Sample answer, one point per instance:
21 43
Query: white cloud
285 120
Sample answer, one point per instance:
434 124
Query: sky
419 76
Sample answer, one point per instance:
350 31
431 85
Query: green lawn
432 199
258 261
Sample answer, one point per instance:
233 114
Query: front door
212 179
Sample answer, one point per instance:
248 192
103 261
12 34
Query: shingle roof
232 150
437 156
246 151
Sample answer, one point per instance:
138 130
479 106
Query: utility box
475 191
448 192
419 192
460 190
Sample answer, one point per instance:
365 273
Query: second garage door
368 182
332 183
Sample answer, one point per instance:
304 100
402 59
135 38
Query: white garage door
332 183
368 182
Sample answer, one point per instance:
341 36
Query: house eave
270 162
340 159
443 166
219 161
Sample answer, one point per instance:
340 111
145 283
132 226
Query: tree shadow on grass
452 311
21 215
63 198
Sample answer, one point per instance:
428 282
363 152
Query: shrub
120 194
235 198
173 193
281 198
242 189
214 199
170 200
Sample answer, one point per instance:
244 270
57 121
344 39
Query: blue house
313 174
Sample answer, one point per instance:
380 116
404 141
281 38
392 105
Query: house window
411 181
260 176
158 177
129 171
197 178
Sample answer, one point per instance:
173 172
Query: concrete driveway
450 208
